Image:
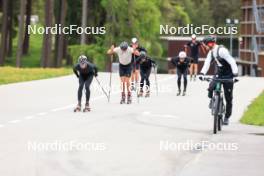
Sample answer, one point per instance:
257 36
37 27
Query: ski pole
156 79
102 88
110 80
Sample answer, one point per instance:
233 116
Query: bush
95 53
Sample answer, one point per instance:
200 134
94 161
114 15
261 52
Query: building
252 38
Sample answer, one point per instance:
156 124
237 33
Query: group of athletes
134 63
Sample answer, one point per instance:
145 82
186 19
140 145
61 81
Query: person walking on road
124 53
194 46
182 63
146 63
85 71
226 69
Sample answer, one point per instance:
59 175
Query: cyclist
182 63
85 71
194 45
226 69
135 64
124 53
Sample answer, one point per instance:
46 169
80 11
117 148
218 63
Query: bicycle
217 102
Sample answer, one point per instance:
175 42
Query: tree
47 38
60 38
27 36
4 32
20 33
84 20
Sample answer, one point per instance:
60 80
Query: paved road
148 138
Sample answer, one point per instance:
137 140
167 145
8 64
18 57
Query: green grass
12 74
255 112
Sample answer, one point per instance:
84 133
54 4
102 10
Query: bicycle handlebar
208 79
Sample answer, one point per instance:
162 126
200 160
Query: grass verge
12 74
255 112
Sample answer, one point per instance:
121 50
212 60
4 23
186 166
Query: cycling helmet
82 59
209 39
182 54
124 45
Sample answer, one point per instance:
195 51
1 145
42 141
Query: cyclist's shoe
179 93
226 121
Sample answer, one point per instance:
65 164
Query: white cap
193 36
134 40
182 54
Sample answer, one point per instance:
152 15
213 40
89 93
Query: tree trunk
60 37
20 33
27 36
4 32
84 20
47 38
10 30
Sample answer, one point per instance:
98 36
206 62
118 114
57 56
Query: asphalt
163 135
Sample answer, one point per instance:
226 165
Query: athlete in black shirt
182 63
135 64
194 45
85 71
146 63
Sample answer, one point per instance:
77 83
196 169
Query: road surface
141 139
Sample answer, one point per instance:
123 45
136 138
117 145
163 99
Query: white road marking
42 113
147 113
14 121
29 117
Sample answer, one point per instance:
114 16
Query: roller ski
147 94
179 93
129 98
183 93
87 108
123 98
140 94
78 108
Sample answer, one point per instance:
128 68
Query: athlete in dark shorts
182 63
194 45
146 63
135 64
85 71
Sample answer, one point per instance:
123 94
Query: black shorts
125 70
194 60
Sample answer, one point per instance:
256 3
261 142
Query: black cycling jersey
90 70
181 65
194 47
